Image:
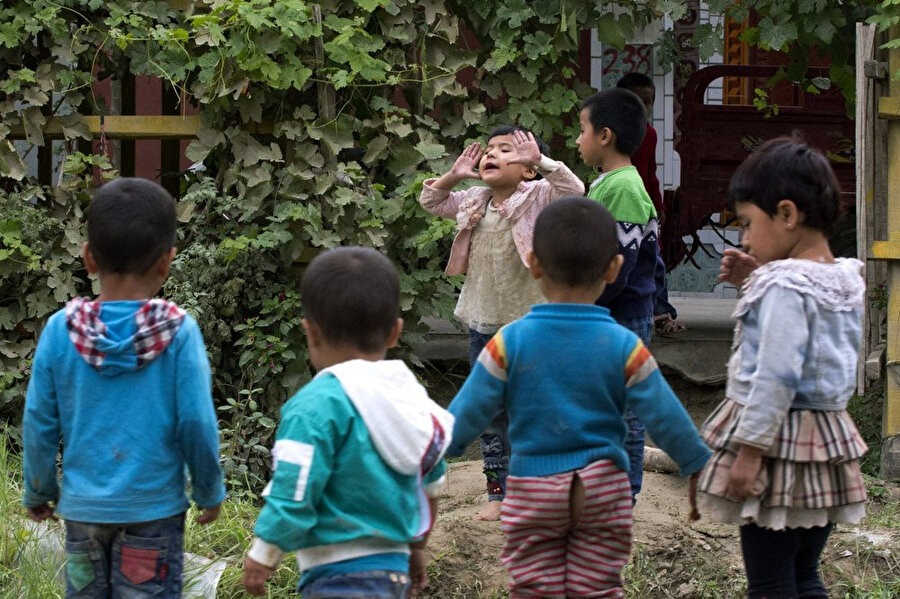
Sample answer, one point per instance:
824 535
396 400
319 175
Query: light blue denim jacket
796 343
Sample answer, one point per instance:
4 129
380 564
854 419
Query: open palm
526 147
467 163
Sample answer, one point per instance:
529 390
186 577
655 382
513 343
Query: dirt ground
672 557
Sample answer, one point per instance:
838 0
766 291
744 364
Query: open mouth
490 166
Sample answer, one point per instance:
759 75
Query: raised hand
736 266
528 151
465 165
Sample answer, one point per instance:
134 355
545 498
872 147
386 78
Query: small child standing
566 373
786 453
495 229
358 453
613 124
125 382
665 317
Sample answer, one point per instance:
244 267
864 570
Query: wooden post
126 146
890 455
865 120
170 159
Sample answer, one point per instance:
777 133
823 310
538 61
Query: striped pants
551 550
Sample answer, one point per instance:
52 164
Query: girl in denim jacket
785 463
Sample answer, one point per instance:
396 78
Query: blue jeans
495 439
373 584
125 561
784 563
634 441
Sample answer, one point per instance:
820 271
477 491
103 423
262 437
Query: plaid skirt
810 474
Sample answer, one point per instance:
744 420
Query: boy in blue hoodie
358 453
124 381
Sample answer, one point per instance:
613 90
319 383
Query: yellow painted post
890 461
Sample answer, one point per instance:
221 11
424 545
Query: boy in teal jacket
358 457
124 380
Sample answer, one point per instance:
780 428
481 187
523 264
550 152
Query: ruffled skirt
810 475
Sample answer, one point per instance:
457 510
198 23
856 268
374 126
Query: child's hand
528 151
41 512
255 577
465 165
743 473
418 570
736 266
208 514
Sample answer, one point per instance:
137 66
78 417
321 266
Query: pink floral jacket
522 207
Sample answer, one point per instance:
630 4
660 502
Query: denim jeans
125 561
634 441
373 584
783 563
495 439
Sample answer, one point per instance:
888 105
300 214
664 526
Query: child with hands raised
496 224
785 463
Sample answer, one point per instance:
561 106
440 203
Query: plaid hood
157 321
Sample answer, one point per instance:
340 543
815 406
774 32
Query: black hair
130 225
623 112
635 81
353 295
786 168
509 129
574 241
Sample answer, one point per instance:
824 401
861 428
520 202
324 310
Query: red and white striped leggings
548 554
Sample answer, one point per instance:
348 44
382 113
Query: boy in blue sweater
566 373
358 453
613 123
124 381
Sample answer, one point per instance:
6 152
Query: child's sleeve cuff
265 553
546 165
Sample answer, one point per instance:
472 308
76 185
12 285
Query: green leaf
609 31
776 36
431 151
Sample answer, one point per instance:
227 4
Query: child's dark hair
623 112
786 168
130 225
353 295
574 241
509 129
635 81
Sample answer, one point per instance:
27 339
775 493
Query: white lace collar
837 286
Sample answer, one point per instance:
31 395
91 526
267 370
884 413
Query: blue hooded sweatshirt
130 397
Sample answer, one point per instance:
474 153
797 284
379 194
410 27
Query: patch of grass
684 570
22 575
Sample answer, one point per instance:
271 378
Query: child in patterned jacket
495 227
566 373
